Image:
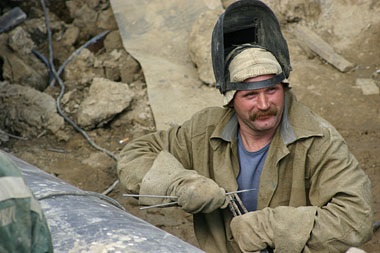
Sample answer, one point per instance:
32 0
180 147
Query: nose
263 102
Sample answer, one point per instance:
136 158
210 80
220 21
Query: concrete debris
105 100
368 86
19 64
27 111
355 250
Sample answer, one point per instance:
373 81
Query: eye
251 94
272 89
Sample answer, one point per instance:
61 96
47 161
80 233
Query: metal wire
56 77
235 204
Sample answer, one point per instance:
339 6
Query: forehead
276 86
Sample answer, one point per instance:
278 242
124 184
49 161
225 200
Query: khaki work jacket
313 196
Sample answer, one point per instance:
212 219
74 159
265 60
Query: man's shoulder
208 119
307 122
211 114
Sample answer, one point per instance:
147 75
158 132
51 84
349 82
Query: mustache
272 111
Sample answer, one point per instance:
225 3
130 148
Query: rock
105 100
72 6
19 40
111 65
81 69
130 69
16 70
118 65
368 86
106 20
28 112
200 44
85 18
71 35
355 250
71 100
296 10
19 64
113 41
93 3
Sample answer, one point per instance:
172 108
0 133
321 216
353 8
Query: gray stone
27 111
71 35
368 86
105 100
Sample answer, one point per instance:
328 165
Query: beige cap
249 63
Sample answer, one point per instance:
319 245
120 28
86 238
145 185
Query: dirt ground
325 89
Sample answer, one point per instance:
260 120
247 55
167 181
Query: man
23 227
307 192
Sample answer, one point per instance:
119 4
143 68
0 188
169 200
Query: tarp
82 221
155 33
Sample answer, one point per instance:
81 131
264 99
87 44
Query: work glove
197 193
249 234
168 177
284 228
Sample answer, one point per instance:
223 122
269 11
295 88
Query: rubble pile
98 74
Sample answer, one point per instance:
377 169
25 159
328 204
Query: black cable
56 75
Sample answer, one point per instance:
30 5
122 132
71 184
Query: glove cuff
165 170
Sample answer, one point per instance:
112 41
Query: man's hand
246 235
284 228
197 193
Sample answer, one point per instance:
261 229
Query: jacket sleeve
138 156
342 192
339 215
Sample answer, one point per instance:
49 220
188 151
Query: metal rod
232 209
240 203
232 196
240 191
149 196
235 206
160 205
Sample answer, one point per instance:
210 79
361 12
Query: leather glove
249 234
197 193
284 228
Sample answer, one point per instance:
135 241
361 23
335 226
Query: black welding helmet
247 23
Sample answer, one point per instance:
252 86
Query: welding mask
247 23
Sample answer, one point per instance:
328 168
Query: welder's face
261 109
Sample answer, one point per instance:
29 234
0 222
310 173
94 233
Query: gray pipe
81 222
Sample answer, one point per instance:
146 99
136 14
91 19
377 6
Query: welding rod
150 196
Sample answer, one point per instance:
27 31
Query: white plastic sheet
155 33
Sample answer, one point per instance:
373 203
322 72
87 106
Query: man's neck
254 141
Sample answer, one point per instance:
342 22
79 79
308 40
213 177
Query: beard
272 111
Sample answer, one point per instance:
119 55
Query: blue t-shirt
251 165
